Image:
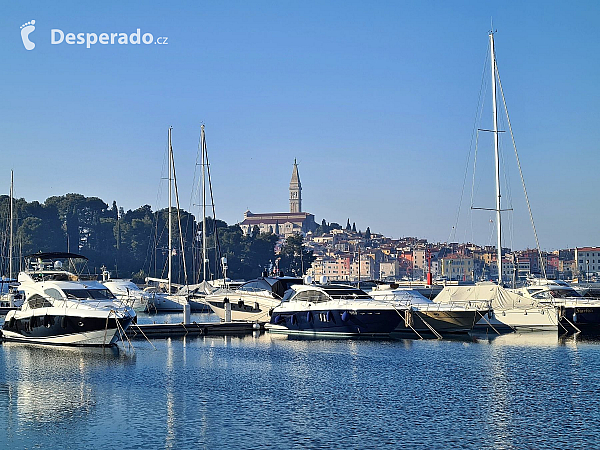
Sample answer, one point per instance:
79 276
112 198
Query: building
588 259
283 224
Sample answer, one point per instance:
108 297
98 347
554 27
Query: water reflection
51 384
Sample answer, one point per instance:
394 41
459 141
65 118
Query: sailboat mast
170 215
204 158
497 157
10 246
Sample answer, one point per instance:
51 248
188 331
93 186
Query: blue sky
376 100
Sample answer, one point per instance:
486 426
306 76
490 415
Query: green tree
294 258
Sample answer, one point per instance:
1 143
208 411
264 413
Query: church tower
295 191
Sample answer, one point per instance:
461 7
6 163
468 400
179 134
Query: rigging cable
537 243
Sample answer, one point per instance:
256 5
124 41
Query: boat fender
279 319
241 303
63 322
574 317
329 316
270 312
225 300
309 316
293 319
31 322
11 323
47 321
345 316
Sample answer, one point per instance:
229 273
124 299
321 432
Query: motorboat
195 293
252 301
129 293
10 298
334 310
509 311
61 308
575 312
433 316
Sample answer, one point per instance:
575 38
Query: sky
377 101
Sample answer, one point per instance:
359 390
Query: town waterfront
531 390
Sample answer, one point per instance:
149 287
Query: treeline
134 244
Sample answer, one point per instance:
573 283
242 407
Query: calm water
266 391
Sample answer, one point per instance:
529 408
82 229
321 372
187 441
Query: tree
294 259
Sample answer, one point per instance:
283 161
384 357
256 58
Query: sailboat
10 299
197 292
510 312
167 302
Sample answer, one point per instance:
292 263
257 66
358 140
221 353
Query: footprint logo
26 30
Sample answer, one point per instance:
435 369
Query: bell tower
295 191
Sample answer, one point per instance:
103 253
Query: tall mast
10 246
497 157
170 215
204 159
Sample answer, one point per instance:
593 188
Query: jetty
162 330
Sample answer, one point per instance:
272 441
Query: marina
271 391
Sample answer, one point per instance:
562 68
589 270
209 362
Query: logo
26 30
58 37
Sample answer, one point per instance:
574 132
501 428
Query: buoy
345 316
309 316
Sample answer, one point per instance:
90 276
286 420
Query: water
268 391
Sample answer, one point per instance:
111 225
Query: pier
161 330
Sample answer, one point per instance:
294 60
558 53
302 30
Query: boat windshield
86 294
557 293
345 292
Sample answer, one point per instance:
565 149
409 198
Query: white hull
95 338
535 319
166 303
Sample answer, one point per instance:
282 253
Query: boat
433 316
127 292
10 299
510 312
166 301
252 301
61 308
575 312
334 310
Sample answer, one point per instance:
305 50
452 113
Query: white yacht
575 312
129 293
334 310
252 301
61 308
434 316
510 312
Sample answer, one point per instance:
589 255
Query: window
54 293
37 301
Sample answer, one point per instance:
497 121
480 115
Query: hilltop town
345 254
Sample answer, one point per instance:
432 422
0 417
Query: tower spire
295 190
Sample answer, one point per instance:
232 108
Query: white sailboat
510 311
163 302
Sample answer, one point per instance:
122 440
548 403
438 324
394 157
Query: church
283 224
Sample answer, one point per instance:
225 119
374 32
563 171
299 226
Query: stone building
283 224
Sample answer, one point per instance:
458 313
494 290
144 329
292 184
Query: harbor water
515 391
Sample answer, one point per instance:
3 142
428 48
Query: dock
161 330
